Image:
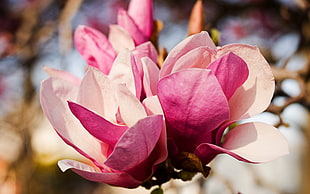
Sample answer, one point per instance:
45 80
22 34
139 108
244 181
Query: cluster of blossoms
139 124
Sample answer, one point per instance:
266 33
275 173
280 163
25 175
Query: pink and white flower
134 29
138 20
107 124
124 66
204 89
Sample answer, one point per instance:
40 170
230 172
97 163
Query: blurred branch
65 26
225 181
26 115
265 184
301 77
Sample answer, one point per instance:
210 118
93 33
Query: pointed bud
196 18
142 13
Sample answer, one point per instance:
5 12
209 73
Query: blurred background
37 33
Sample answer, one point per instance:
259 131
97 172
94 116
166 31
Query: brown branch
65 26
300 76
263 183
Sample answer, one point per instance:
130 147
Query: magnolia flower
204 89
138 21
100 52
134 29
107 124
127 67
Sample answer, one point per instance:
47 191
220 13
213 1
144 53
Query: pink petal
255 94
94 48
62 75
194 105
144 50
148 49
120 38
131 109
97 125
188 44
104 152
161 146
142 13
124 71
53 97
144 170
97 93
231 72
124 20
251 142
206 152
120 179
257 142
152 105
136 144
199 57
150 76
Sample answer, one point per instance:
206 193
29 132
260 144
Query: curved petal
136 144
152 105
231 72
257 142
188 44
199 57
94 48
159 154
255 94
142 13
194 105
97 125
124 71
131 109
62 75
121 179
161 146
120 38
144 50
53 97
148 49
97 93
250 142
150 76
124 20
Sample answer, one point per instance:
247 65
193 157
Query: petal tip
62 164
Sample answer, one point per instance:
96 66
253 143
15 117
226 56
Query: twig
65 26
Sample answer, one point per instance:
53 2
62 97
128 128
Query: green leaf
186 175
215 36
157 190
